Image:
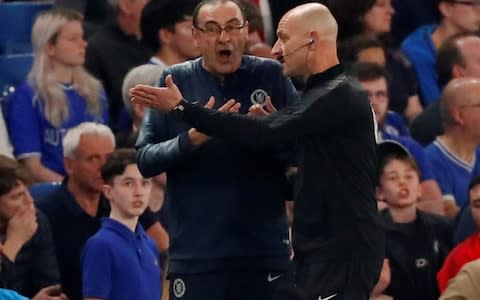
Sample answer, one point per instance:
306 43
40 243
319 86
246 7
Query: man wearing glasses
339 245
458 16
225 202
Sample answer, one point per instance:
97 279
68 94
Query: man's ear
68 164
457 115
457 71
444 8
107 192
164 36
313 40
420 190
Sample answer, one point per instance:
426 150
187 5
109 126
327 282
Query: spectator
146 74
373 79
456 58
455 155
28 262
372 18
59 94
120 261
417 242
411 14
464 286
96 12
421 46
167 29
75 208
469 249
115 49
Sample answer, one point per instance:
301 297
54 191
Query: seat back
41 189
14 69
16 25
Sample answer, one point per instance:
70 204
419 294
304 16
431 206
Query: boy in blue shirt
120 261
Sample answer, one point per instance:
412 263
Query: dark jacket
333 125
227 198
416 257
35 266
110 55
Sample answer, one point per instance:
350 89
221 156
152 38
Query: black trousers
353 280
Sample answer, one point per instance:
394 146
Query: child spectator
469 249
120 261
416 242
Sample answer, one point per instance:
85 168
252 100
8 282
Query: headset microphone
310 42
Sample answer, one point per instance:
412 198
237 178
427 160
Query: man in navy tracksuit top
338 243
225 203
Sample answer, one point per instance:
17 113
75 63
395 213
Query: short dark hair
212 2
369 71
163 14
10 174
449 55
475 181
350 48
117 162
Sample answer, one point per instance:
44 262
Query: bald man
454 154
338 243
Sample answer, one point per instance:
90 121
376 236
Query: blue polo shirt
72 227
120 264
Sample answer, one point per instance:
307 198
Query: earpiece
311 41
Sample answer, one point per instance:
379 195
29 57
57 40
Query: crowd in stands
210 208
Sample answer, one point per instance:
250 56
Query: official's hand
197 138
161 98
53 292
262 110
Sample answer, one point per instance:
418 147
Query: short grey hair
145 74
72 138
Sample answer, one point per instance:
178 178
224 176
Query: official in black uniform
338 244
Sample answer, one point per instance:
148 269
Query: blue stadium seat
14 69
16 19
41 189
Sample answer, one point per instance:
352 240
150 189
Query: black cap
389 147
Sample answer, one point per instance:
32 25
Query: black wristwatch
180 106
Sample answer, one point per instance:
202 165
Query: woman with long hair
58 95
